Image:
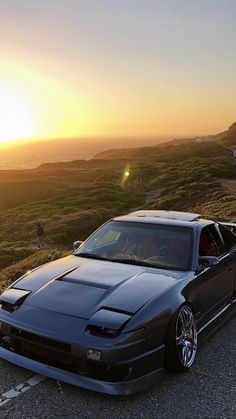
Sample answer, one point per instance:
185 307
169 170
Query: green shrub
12 253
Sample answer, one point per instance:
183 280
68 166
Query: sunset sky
116 67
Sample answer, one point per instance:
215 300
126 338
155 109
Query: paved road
208 391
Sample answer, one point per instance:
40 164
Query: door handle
230 269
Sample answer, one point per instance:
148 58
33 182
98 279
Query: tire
181 344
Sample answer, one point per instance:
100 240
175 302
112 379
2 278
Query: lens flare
125 176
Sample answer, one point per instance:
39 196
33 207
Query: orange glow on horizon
34 105
116 69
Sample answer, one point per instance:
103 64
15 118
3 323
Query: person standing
40 236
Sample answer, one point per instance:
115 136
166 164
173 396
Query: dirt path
150 196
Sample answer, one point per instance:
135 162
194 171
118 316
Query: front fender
155 316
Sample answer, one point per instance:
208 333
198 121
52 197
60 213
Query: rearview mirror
77 244
207 261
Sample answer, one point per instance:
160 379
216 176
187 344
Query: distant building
203 139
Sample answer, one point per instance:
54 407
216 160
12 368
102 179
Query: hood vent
12 298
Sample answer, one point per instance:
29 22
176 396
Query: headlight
107 322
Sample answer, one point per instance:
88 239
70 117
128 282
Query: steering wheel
165 251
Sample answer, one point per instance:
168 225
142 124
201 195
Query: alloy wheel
186 336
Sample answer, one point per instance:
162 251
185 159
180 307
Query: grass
15 270
73 199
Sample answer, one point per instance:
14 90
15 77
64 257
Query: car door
215 284
229 239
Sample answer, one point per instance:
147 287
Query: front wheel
181 345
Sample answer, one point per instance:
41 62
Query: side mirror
207 261
77 244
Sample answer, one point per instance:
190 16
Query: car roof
228 224
168 215
177 218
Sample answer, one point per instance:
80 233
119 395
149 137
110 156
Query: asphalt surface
207 391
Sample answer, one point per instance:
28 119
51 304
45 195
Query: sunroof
169 215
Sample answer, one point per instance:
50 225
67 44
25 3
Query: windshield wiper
127 261
142 263
91 256
133 262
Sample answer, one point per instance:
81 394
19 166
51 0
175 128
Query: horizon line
32 140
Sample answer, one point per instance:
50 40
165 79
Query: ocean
32 155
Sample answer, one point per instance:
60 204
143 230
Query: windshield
154 245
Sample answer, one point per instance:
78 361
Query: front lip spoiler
117 389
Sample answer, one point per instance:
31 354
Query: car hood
79 287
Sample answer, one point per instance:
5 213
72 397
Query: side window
210 243
228 237
231 228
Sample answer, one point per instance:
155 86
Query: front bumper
56 346
119 388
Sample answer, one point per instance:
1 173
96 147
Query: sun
16 120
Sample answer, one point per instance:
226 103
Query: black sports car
134 300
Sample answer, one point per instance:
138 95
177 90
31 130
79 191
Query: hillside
142 153
228 138
72 199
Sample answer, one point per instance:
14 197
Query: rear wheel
181 346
